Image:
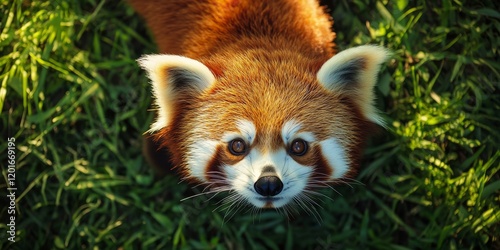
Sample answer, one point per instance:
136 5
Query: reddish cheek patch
322 170
308 159
214 171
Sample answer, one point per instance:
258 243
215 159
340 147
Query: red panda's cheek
309 158
214 168
314 158
201 156
221 157
322 169
332 156
230 159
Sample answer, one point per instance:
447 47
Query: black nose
268 185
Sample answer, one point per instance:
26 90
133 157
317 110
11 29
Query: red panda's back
198 28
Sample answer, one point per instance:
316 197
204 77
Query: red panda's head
268 125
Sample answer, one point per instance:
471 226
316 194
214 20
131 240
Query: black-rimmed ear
170 76
354 72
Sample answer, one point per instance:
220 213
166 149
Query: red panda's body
250 98
199 29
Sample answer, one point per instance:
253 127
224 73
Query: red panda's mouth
270 202
269 199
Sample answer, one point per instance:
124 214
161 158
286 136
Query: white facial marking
199 155
202 151
336 157
242 175
246 129
306 136
245 173
290 128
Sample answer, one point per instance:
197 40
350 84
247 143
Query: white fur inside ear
354 72
171 74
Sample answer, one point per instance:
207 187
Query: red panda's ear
354 72
172 76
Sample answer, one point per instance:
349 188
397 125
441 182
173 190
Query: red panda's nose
268 185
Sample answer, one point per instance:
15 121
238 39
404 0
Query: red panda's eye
237 147
298 147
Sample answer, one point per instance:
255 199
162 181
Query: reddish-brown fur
198 29
273 47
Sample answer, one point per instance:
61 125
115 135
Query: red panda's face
268 168
269 134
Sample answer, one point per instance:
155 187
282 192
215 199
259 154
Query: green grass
75 100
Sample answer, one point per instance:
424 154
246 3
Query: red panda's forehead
269 103
270 89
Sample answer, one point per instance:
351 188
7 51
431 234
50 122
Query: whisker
205 193
313 211
318 194
226 200
354 181
305 207
322 185
235 207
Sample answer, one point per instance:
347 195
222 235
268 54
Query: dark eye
237 147
298 147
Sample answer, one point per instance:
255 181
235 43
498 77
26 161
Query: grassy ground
76 102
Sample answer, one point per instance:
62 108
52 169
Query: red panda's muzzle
268 185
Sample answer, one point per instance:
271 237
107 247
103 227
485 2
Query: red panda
251 97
